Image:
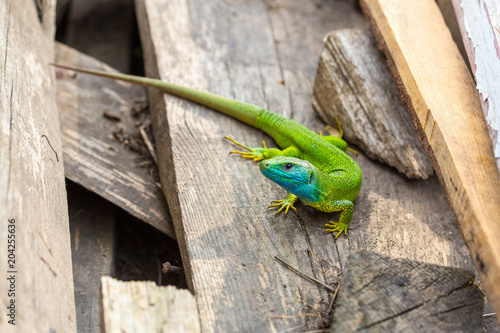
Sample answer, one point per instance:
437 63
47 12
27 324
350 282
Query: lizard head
294 175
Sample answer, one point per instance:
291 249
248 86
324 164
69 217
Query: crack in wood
48 265
39 6
398 314
45 243
276 42
10 140
7 35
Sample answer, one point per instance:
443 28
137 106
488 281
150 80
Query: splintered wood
380 294
267 55
354 84
38 296
441 96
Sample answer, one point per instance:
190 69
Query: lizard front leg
347 208
285 204
259 154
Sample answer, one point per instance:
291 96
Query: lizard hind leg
332 130
341 134
256 154
337 141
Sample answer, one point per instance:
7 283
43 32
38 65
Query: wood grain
380 294
129 307
354 84
449 16
93 158
32 185
227 236
440 94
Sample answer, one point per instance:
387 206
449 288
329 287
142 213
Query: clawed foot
283 204
352 151
257 154
336 226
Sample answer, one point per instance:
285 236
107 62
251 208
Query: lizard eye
288 166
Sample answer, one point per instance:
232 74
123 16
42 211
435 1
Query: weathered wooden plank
33 207
218 202
93 157
145 307
354 84
380 294
479 23
102 29
93 241
440 93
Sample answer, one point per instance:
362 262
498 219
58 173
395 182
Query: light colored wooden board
381 294
441 96
354 84
144 307
93 158
93 240
479 23
218 202
446 8
32 176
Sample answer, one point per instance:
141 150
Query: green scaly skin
310 167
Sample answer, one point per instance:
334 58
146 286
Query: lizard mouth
280 172
288 172
272 172
268 170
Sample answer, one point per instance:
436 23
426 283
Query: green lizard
309 167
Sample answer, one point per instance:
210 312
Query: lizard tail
244 112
